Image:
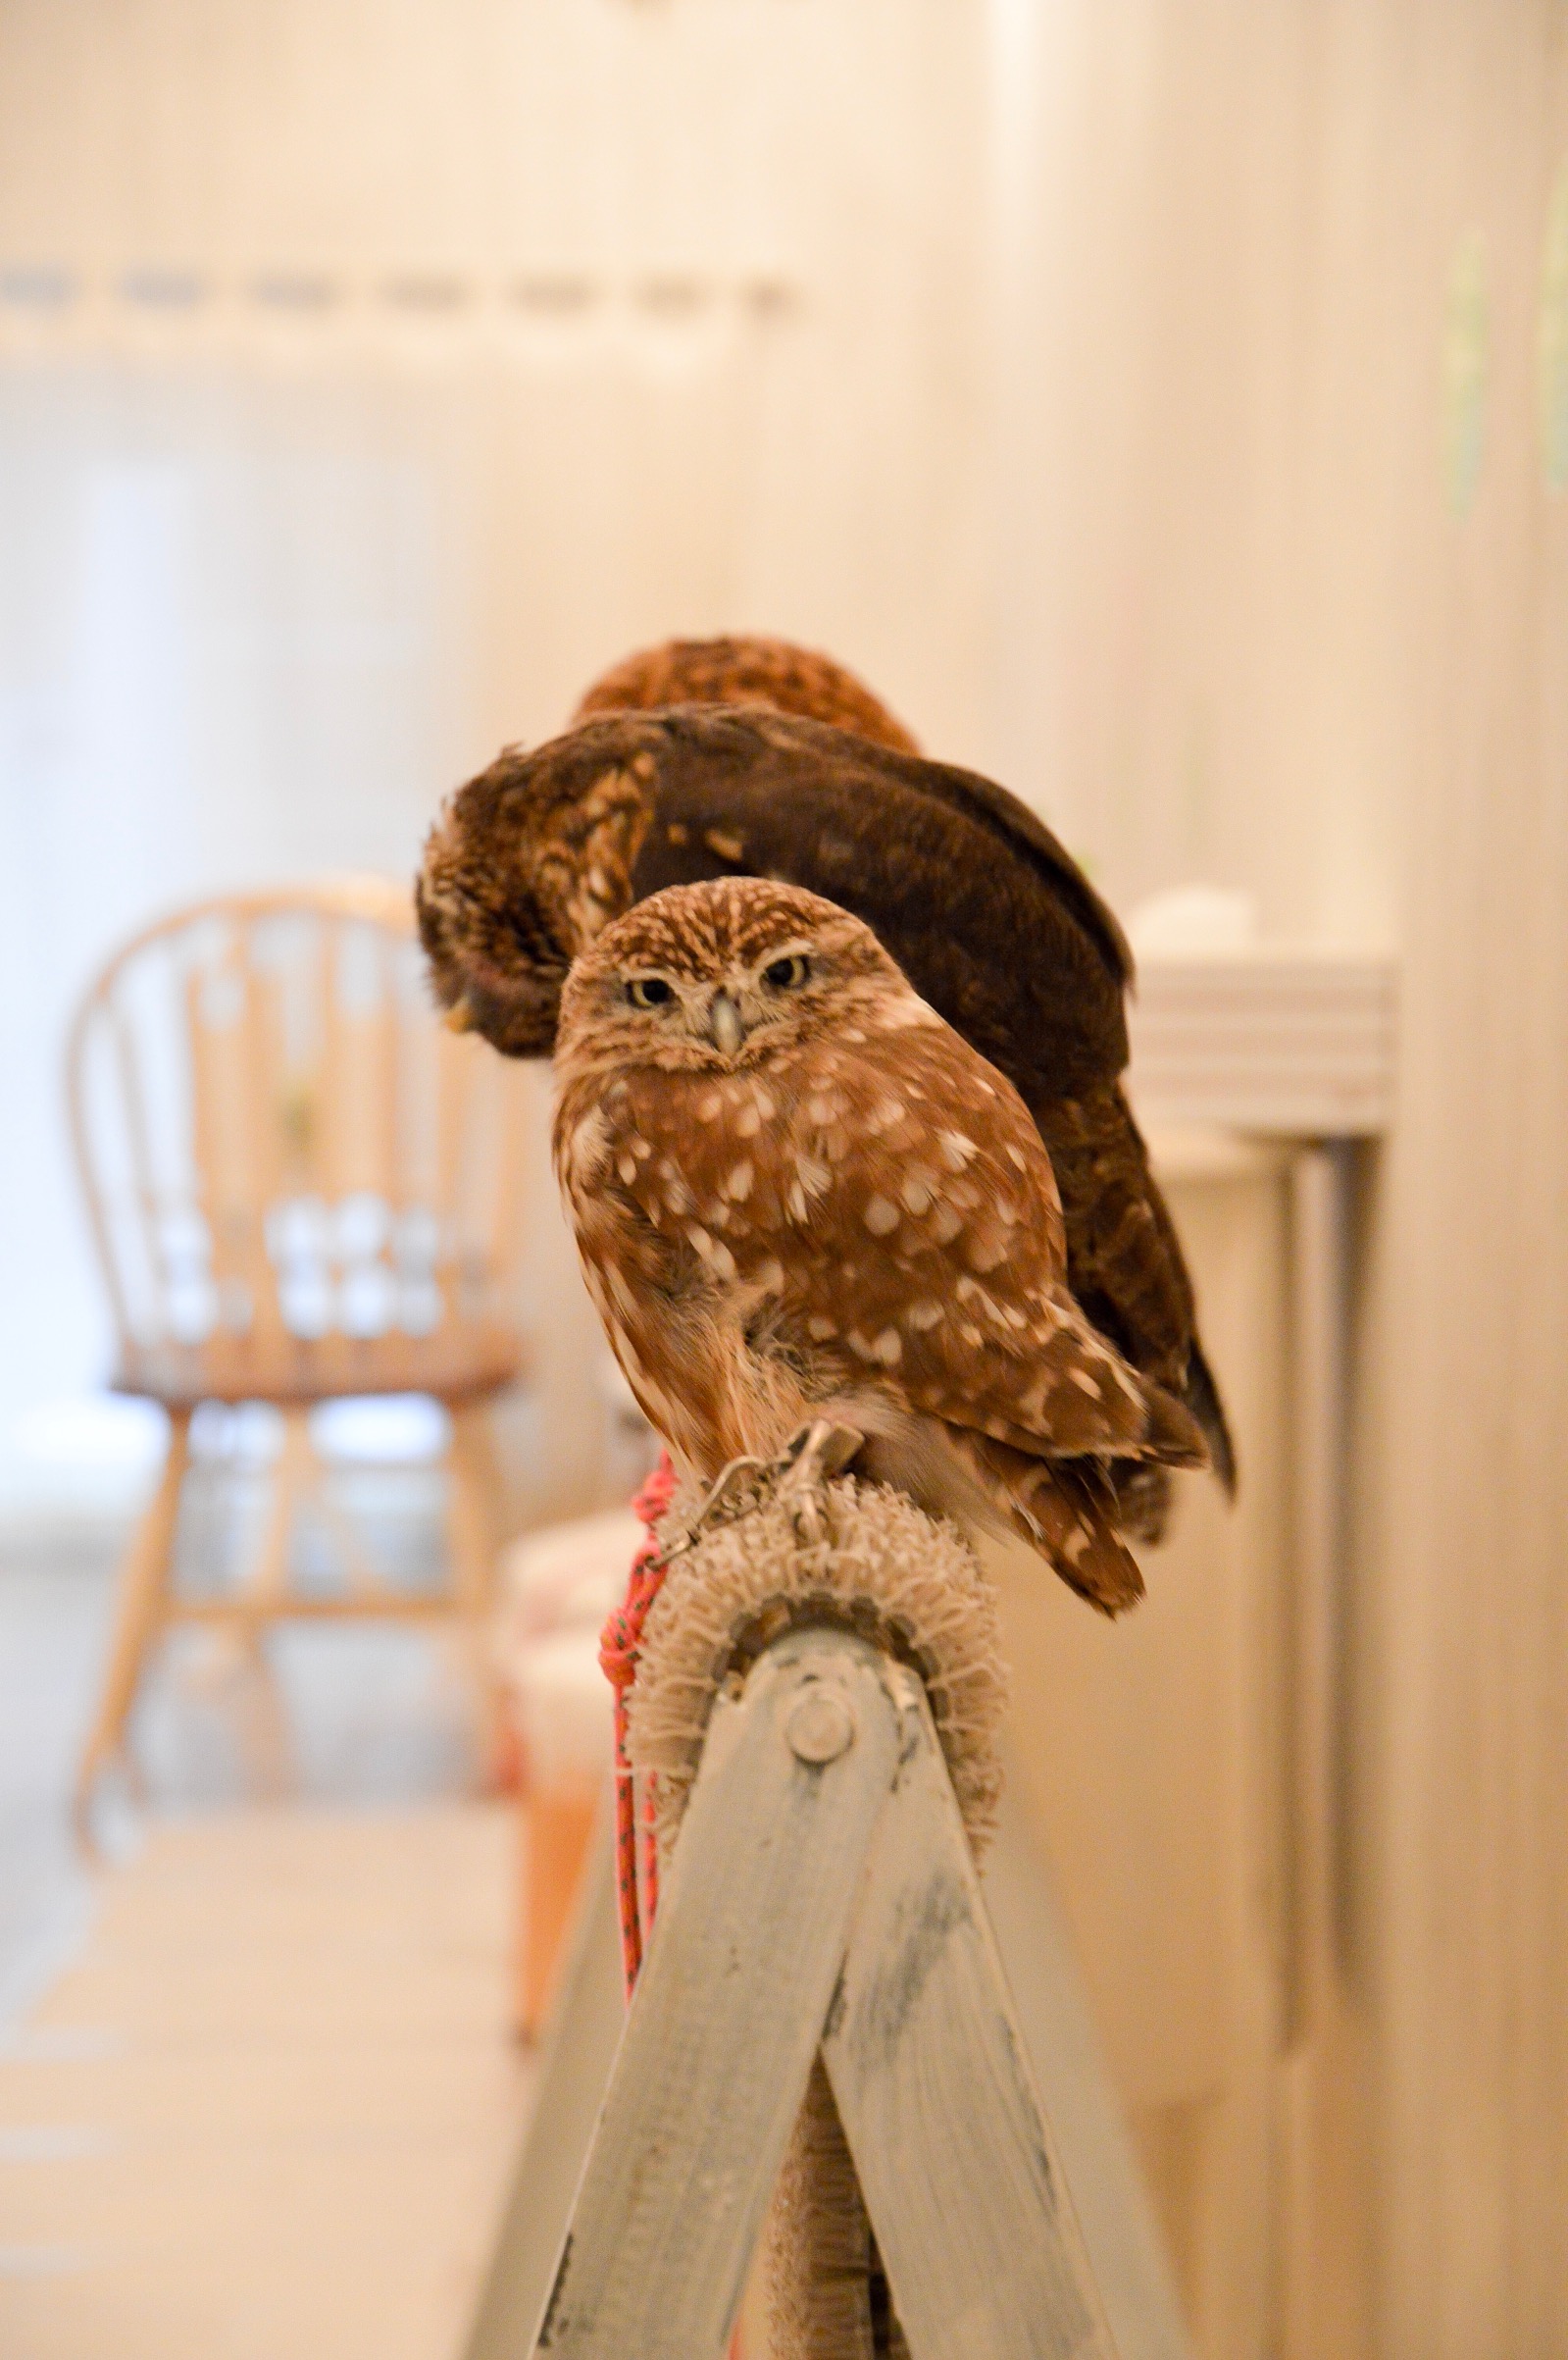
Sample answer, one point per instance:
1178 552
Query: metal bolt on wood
820 1728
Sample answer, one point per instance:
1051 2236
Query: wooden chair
301 1187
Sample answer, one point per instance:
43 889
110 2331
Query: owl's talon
809 1460
819 1452
803 1469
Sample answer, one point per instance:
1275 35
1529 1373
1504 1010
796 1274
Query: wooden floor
270 2108
258 2088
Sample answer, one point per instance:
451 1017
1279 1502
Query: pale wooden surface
963 2179
727 2016
271 2108
1125 2248
1122 2236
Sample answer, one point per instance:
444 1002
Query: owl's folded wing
932 1251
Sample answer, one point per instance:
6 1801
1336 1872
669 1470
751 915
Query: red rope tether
620 1644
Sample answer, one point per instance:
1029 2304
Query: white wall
370 379
1174 639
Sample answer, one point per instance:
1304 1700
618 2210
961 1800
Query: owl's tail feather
1202 1395
1083 1401
1065 1508
1173 1437
1070 1515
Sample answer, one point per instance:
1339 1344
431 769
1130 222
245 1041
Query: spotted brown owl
745 670
797 1191
985 911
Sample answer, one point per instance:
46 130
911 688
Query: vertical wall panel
1284 606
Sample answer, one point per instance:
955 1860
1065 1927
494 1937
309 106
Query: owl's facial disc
747 1000
718 977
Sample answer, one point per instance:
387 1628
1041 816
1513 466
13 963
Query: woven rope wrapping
883 1568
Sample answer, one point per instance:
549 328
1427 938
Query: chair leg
266 1587
474 1517
141 1601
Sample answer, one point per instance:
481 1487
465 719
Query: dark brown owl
798 1194
988 916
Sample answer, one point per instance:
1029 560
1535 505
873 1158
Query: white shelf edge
1281 1042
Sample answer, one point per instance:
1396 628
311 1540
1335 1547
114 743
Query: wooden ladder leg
823 1892
730 2007
474 1517
1126 2250
961 2176
141 1604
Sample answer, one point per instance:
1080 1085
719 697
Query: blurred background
1165 408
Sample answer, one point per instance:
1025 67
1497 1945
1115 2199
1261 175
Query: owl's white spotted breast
872 1205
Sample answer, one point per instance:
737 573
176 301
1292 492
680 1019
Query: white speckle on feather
619 1288
586 1147
719 1258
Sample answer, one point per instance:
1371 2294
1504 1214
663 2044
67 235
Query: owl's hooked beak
725 1028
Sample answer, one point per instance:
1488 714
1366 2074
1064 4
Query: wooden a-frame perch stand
824 1897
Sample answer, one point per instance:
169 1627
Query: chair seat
459 1363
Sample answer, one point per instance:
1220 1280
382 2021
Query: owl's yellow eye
649 992
788 974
